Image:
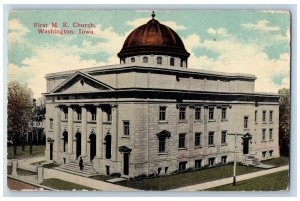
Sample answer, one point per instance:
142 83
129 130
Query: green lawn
64 185
102 177
36 151
187 178
272 182
20 172
281 161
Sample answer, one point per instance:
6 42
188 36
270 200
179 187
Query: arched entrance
92 146
246 143
65 139
78 144
108 146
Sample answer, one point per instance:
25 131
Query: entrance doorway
92 146
51 151
65 137
78 144
246 146
108 146
126 163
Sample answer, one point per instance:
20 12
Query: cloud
139 21
220 31
262 25
16 31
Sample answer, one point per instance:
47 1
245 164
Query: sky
248 41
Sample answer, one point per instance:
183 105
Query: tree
19 111
284 120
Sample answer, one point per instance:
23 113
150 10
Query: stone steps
73 167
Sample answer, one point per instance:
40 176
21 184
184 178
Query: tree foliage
284 120
19 109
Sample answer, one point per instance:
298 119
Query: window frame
51 123
162 144
172 61
198 164
162 113
181 140
224 114
197 139
263 134
211 114
246 122
271 116
270 133
182 113
223 137
197 113
264 118
126 128
145 60
211 138
159 60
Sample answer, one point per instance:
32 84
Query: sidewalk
221 182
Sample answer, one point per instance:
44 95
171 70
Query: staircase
73 168
250 160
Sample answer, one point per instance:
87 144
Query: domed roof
153 38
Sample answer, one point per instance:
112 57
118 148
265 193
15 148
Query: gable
80 82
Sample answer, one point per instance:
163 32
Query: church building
152 115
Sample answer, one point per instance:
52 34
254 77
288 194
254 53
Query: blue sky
255 42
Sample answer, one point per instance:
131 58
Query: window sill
64 120
224 120
162 121
271 122
182 148
264 122
211 145
163 153
198 147
107 122
224 144
246 129
77 121
271 140
92 122
182 121
125 136
264 141
211 120
198 120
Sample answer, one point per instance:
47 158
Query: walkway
221 182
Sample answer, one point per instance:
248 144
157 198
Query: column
83 130
70 130
99 132
57 135
114 133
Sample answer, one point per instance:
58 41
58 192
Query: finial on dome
153 15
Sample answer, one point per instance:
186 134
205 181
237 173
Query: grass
36 151
50 165
281 161
186 178
272 182
102 177
64 185
20 172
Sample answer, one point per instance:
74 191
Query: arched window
132 60
145 59
172 61
159 60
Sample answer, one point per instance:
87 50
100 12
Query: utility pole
235 157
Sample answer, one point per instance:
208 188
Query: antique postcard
148 100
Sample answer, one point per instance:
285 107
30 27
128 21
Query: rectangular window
197 113
264 154
93 113
245 122
255 116
271 153
271 116
162 113
126 127
223 113
264 116
270 134
211 113
198 164
51 123
181 140
223 137
108 115
263 134
65 110
182 166
182 113
224 159
211 161
197 139
211 138
162 144
78 111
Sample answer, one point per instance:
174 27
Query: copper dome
153 38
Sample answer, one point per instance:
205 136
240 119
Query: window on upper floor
264 116
181 140
51 123
270 134
172 61
132 60
255 116
182 113
162 144
78 113
159 60
211 138
263 134
224 113
145 59
246 121
271 116
197 113
223 137
93 114
126 127
211 113
162 113
197 139
65 113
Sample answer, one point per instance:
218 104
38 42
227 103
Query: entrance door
78 144
245 145
108 146
92 146
51 151
126 164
